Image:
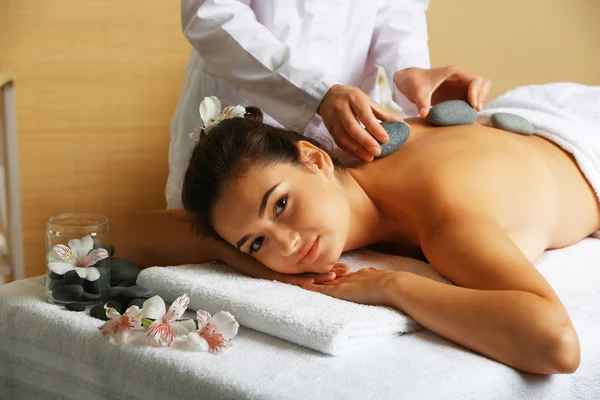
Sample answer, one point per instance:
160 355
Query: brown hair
229 149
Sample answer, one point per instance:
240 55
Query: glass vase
77 258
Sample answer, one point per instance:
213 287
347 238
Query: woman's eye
255 246
280 205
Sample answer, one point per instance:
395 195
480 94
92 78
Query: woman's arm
505 309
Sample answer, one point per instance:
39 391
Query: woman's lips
311 254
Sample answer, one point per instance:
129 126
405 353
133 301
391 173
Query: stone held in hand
512 123
398 133
137 292
68 293
452 112
75 306
122 271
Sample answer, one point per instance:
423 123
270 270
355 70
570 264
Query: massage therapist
311 66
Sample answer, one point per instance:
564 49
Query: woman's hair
227 152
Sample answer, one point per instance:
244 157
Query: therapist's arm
263 69
400 45
400 42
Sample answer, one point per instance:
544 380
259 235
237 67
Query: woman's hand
343 109
339 270
250 266
427 87
366 286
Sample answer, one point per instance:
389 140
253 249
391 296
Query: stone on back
398 133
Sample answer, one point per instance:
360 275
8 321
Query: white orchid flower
165 328
120 326
80 255
211 114
214 333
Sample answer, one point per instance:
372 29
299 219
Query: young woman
482 204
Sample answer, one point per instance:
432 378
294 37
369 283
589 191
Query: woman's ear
315 159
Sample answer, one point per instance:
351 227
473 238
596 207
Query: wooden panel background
100 80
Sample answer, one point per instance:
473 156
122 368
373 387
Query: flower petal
82 272
161 332
108 328
59 267
64 254
119 337
178 307
203 318
196 341
225 324
81 247
112 313
216 341
135 315
154 308
94 256
210 108
233 112
92 273
184 327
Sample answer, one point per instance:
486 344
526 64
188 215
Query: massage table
47 352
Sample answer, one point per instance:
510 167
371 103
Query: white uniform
283 56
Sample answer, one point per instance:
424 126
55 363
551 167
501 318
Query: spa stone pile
121 294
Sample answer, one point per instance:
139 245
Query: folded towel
568 114
300 316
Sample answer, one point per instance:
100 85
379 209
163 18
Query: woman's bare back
529 186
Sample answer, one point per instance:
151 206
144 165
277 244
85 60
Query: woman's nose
287 240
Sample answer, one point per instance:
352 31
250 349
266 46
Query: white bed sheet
81 364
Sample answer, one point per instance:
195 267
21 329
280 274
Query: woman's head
270 192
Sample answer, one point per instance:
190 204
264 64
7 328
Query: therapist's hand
427 87
343 109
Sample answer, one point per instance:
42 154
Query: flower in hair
211 114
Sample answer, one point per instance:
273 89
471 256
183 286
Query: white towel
568 114
300 316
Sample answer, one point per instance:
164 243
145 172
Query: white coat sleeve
400 40
263 69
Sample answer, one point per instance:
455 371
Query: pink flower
119 326
214 334
80 255
164 330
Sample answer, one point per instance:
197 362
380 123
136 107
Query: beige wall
518 42
100 80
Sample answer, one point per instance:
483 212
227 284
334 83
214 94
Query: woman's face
291 218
